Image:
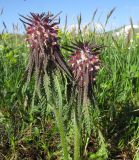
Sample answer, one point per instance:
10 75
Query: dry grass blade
109 15
1 12
132 27
5 27
94 15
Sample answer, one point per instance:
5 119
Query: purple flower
42 37
84 61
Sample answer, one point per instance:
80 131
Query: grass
32 128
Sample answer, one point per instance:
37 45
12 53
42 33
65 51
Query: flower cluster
42 30
85 63
42 37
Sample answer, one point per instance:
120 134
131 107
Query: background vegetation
30 127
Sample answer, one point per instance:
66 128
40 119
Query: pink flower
84 62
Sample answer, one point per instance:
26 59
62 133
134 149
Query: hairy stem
77 139
60 125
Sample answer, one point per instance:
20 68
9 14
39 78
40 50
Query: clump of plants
78 75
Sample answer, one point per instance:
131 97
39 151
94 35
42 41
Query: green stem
62 134
77 139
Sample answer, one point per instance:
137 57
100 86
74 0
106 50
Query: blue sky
124 10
